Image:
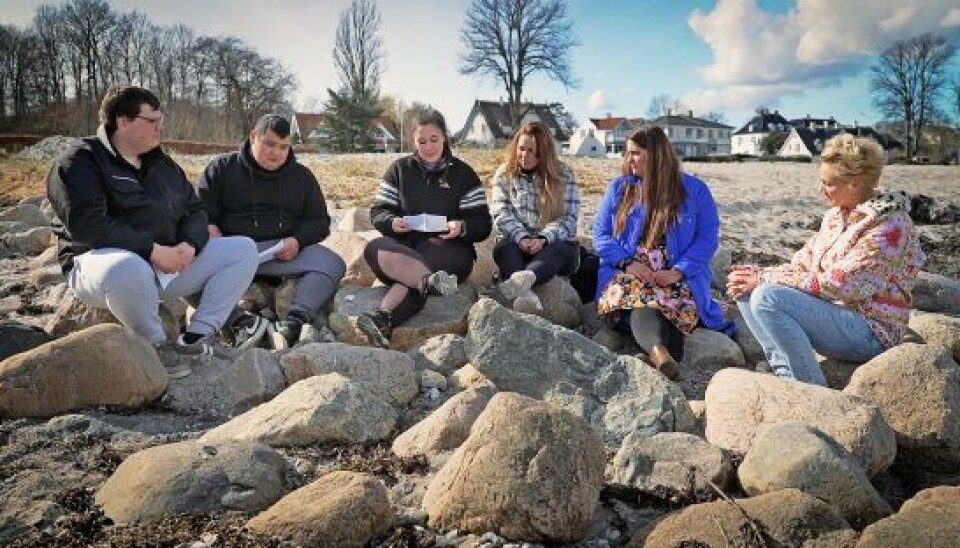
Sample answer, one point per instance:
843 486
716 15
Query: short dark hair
124 101
432 117
273 122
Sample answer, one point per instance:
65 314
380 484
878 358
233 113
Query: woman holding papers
431 209
535 206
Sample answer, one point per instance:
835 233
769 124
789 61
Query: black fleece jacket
244 199
101 200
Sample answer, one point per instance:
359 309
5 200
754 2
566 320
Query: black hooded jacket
101 200
244 199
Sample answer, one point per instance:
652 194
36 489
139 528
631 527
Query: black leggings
556 259
403 267
651 328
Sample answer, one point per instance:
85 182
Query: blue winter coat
691 242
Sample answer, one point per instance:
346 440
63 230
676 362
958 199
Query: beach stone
27 213
258 296
467 377
719 268
16 337
678 461
699 408
917 386
616 395
447 427
936 293
440 315
529 470
102 365
387 374
31 242
350 246
321 409
485 269
741 403
937 329
561 303
608 338
837 372
47 258
431 379
788 518
930 518
194 478
710 350
342 508
13 227
74 315
254 377
443 354
795 455
354 219
46 275
283 296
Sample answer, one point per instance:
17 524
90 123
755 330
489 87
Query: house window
699 133
710 134
689 132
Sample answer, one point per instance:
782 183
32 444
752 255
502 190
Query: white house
306 127
488 123
692 136
584 142
809 142
746 140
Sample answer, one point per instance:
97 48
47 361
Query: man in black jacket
261 191
133 231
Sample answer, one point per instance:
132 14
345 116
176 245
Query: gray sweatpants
125 284
318 270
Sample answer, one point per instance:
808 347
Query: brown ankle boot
662 361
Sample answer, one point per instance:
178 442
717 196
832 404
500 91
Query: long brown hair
662 189
551 189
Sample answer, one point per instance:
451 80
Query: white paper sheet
165 278
270 253
426 222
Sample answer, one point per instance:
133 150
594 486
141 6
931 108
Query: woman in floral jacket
847 292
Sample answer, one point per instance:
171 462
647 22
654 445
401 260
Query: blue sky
798 56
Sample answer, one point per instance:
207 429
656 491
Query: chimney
609 115
669 111
690 113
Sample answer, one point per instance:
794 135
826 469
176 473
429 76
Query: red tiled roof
307 122
606 124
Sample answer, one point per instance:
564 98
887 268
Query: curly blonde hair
853 156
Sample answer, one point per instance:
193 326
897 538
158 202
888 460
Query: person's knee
238 250
325 261
371 251
128 275
766 297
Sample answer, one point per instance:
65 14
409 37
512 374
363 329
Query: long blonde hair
662 190
551 191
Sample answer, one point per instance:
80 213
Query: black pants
556 259
650 328
434 253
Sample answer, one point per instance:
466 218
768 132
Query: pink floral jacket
866 258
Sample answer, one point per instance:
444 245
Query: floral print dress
625 292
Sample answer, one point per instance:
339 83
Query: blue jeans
791 324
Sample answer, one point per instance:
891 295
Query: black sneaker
286 332
170 359
247 331
376 327
204 346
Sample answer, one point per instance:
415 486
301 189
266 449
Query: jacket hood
250 163
885 203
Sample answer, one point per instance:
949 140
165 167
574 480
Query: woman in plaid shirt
535 206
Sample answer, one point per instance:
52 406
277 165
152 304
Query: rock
608 338
467 377
529 470
617 395
321 409
74 315
340 509
254 377
917 386
719 268
787 518
103 365
561 303
447 427
432 380
443 353
283 297
257 297
837 372
711 351
485 269
16 337
930 518
384 373
13 227
26 213
10 303
681 462
350 247
938 329
354 219
795 455
194 478
741 403
936 293
699 408
31 242
440 315
46 276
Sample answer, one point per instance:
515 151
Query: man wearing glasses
133 232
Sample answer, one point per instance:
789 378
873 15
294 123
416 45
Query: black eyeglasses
155 121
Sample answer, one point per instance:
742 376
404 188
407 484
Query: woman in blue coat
655 232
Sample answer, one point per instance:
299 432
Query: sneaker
376 327
171 361
286 332
203 346
528 303
440 282
248 330
519 283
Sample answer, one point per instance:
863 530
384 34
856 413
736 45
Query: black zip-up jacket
244 199
454 191
101 200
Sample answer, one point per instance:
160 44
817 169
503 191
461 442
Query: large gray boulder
616 395
711 351
678 461
936 293
350 246
29 214
930 518
385 373
529 470
321 409
194 478
561 303
73 315
917 386
443 354
340 509
103 365
795 455
30 242
938 329
742 403
447 427
16 337
254 377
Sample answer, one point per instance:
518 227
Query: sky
801 57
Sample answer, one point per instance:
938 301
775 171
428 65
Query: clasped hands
742 280
172 259
660 278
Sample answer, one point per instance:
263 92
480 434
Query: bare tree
663 104
716 116
358 49
907 80
511 40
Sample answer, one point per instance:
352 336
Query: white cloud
952 19
598 100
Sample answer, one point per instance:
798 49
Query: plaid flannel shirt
516 207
